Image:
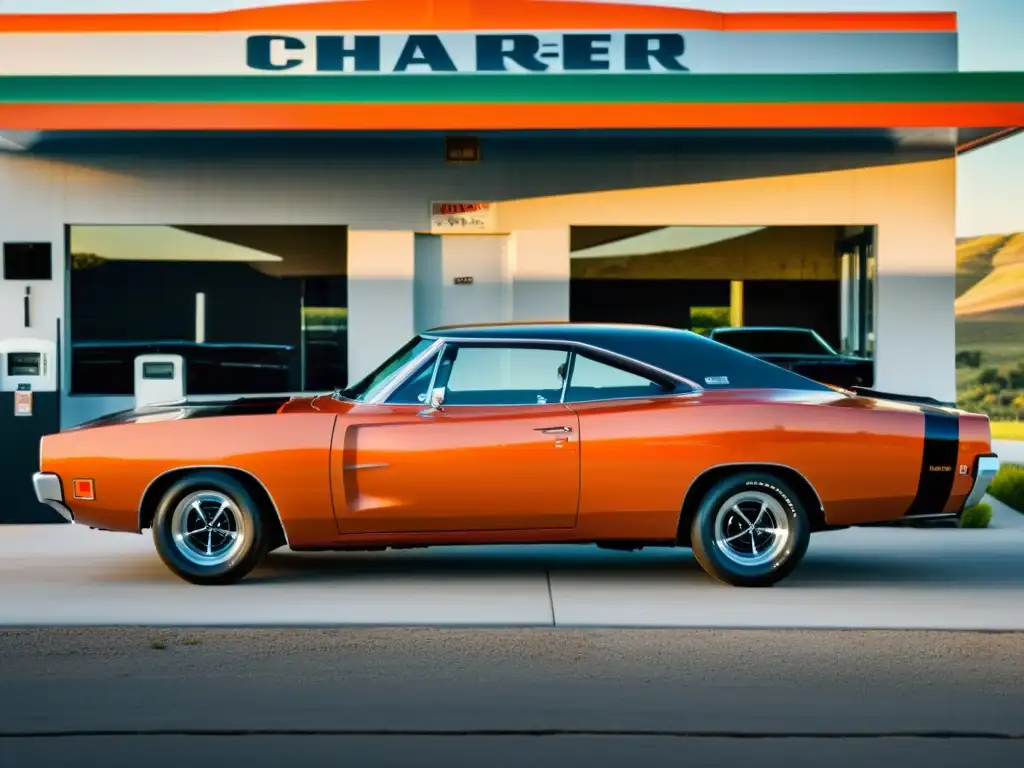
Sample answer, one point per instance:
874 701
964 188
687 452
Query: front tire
750 530
209 530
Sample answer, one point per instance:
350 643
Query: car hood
201 407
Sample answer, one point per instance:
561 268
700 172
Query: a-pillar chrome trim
403 374
49 491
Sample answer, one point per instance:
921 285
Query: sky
990 181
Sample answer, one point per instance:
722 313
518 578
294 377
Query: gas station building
284 195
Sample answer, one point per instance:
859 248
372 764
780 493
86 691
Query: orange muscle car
615 435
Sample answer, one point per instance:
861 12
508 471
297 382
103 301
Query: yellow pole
736 303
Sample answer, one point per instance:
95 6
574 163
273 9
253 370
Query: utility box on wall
28 364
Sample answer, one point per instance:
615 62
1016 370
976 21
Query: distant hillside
990 275
1012 251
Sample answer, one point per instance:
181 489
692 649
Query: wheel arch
160 484
806 493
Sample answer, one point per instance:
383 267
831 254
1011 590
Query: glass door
857 268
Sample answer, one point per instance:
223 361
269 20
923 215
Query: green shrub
330 317
992 376
978 516
1008 486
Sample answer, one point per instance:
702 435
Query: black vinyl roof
683 353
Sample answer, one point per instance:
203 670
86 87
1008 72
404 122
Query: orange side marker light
84 490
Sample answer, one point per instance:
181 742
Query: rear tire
750 530
209 530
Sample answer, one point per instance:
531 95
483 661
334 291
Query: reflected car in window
801 350
616 435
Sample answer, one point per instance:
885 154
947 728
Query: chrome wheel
751 528
207 528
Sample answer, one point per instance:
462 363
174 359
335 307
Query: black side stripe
938 462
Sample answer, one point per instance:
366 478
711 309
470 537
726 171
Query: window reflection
250 308
815 280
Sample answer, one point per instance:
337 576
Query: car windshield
775 342
378 379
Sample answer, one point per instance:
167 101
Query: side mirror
436 400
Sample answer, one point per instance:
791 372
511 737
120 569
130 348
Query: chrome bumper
988 468
50 492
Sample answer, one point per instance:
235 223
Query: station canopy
415 66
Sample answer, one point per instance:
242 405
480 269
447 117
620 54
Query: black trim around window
670 384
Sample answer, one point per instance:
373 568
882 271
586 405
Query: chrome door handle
552 430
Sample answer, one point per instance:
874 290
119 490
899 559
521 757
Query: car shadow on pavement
1004 569
925 560
472 561
825 568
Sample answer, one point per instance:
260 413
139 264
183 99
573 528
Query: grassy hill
974 257
990 327
990 275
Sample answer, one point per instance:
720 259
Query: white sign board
547 52
463 218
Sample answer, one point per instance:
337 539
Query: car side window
595 380
491 375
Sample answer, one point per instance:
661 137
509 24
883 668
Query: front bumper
49 491
987 468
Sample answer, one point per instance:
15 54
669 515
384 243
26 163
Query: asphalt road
527 697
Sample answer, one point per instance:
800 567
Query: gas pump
159 379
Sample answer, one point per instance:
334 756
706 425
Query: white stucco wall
480 257
385 199
380 296
522 275
539 265
27 205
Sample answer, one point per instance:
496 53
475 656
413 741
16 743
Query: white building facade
186 121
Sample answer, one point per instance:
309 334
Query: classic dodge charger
615 435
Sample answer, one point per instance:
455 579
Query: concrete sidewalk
859 578
1004 516
1009 451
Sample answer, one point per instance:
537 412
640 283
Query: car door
631 479
500 454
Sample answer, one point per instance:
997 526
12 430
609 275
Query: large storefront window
249 308
816 282
990 330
